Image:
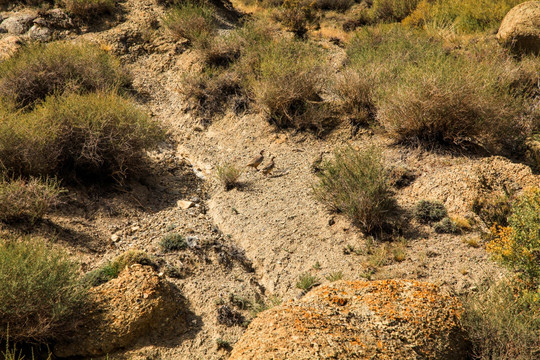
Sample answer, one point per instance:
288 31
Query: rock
122 310
18 25
40 33
520 28
388 319
115 238
184 204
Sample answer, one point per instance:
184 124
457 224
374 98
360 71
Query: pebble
184 204
115 238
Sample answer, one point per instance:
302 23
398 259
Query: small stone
195 199
192 241
135 228
115 238
184 204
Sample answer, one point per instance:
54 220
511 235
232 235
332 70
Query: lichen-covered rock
122 310
520 28
389 319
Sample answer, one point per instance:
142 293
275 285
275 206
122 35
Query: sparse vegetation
41 304
307 281
173 242
27 200
427 211
335 276
228 174
41 70
355 183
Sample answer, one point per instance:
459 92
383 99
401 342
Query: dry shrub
296 16
27 200
502 325
288 85
42 303
80 136
39 70
211 91
354 91
339 5
392 10
191 21
425 94
228 175
355 183
88 9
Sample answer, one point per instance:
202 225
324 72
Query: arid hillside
328 179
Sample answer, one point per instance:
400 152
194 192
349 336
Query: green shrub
518 245
429 211
112 269
288 83
97 134
461 15
41 292
40 70
502 325
493 208
228 175
88 9
173 242
306 282
27 200
392 10
191 21
445 226
356 183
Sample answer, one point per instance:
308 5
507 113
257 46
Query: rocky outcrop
390 319
520 29
121 310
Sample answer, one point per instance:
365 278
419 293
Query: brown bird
256 161
268 168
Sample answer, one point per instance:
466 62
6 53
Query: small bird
268 168
256 161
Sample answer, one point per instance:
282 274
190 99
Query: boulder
388 319
18 24
520 28
40 33
120 311
9 46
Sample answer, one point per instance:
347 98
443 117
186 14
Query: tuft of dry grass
228 175
27 200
